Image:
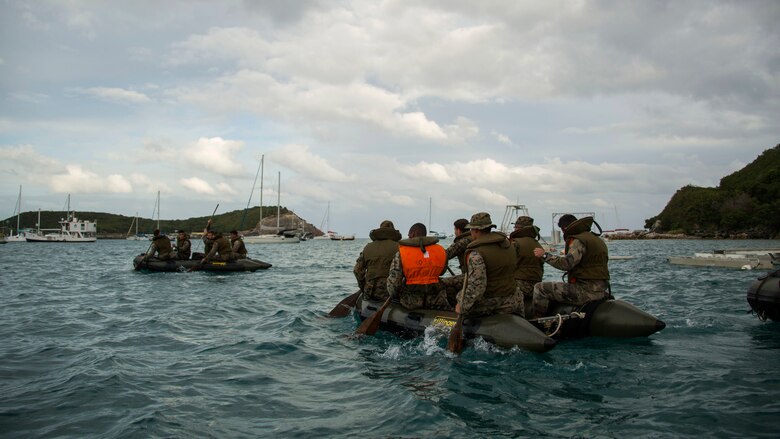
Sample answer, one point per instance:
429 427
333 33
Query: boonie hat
523 221
480 221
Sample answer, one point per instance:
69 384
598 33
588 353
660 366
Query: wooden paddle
345 306
455 343
371 324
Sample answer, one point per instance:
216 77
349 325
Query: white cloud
197 185
489 197
430 172
216 155
301 160
116 95
225 188
76 180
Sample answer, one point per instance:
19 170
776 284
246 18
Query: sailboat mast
278 197
262 160
18 208
430 203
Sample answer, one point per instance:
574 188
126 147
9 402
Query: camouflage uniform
490 286
239 249
207 243
183 247
453 284
530 269
458 249
430 296
472 298
576 291
220 250
373 263
161 246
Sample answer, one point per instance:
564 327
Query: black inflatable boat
154 264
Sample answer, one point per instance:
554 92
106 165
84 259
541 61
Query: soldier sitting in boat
207 243
161 247
530 269
585 262
183 246
490 286
221 250
414 273
373 264
457 249
237 244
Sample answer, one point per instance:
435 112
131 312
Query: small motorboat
186 265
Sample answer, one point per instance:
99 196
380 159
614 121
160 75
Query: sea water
92 348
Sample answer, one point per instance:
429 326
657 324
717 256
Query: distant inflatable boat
609 318
154 264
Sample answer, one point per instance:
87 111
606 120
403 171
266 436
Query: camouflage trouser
526 287
431 296
452 285
375 289
547 293
511 304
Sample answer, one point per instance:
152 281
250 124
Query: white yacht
71 230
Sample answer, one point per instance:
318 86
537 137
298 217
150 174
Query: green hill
746 204
112 225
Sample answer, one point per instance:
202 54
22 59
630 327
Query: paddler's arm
395 278
476 280
360 271
565 262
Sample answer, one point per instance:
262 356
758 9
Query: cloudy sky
382 108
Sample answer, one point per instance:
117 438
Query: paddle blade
371 324
345 306
455 343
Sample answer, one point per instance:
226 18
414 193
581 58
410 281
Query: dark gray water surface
91 348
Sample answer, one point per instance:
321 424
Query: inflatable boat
764 296
505 330
607 318
603 318
154 264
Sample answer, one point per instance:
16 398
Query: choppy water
91 348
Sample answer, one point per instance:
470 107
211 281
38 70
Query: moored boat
745 259
179 265
505 330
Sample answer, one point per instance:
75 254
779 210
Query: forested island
746 205
119 226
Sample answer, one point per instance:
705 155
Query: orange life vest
423 268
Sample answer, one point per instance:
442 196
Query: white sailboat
71 230
268 238
137 236
21 235
325 225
